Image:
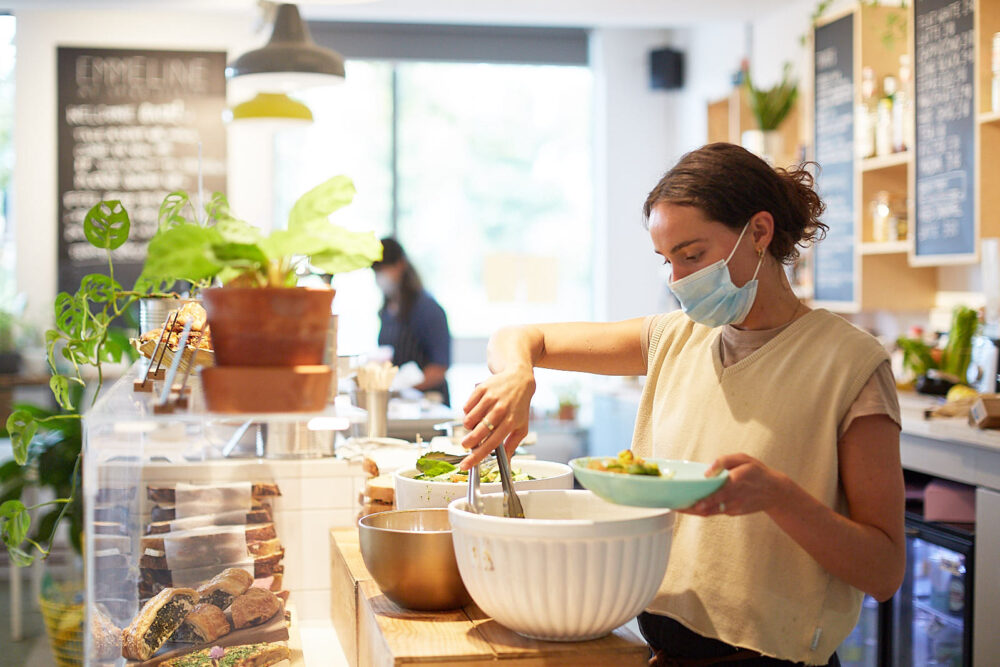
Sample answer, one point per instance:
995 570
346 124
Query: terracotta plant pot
268 326
263 389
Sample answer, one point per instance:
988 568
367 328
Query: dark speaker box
666 69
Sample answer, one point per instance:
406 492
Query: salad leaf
434 467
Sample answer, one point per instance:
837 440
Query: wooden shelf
989 117
885 248
885 161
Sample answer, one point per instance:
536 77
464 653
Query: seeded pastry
225 586
254 607
246 655
205 623
156 621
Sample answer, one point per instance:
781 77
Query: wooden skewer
183 389
141 386
163 404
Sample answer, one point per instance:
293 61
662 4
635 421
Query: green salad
433 469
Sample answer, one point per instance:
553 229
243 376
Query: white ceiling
586 13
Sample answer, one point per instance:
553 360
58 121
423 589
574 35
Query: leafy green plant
83 337
239 254
770 106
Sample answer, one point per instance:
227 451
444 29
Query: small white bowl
575 569
414 493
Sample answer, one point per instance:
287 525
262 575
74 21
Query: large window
483 171
7 250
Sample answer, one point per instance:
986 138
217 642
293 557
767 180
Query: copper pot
268 326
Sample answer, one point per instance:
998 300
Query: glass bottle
865 115
883 126
884 223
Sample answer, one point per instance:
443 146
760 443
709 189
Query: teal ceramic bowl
687 486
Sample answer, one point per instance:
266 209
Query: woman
798 405
412 321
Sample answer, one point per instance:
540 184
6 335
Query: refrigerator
929 620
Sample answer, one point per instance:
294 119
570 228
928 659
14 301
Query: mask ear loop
733 251
760 252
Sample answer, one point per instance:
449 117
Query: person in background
797 404
413 323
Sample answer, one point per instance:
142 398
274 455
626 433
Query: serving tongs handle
511 503
475 500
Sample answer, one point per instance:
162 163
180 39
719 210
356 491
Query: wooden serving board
375 632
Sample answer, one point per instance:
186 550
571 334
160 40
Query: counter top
952 429
373 630
947 447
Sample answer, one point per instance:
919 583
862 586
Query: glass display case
175 499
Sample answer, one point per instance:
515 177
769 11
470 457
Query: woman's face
388 277
689 241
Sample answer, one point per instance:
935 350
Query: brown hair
731 185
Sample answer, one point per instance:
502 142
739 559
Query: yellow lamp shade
272 105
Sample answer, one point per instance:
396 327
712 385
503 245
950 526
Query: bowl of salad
433 482
629 480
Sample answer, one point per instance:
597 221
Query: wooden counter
374 631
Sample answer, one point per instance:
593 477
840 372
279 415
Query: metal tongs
511 503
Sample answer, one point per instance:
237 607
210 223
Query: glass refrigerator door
931 611
861 648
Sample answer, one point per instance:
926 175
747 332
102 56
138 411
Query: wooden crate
376 632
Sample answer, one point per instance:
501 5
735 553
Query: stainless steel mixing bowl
410 555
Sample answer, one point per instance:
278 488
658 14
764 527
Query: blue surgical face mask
709 296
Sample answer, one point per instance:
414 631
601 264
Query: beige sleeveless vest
742 579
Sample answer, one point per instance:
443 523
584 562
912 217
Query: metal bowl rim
368 526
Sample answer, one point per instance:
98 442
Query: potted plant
259 318
769 106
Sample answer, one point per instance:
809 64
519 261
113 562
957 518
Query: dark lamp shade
290 51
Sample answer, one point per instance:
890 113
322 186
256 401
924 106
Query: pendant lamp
272 106
290 60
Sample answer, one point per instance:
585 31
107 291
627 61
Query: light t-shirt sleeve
648 324
877 397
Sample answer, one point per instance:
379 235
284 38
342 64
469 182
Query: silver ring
488 424
722 508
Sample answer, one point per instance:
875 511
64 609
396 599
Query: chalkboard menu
130 126
833 266
944 45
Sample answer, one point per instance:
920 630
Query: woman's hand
751 487
497 413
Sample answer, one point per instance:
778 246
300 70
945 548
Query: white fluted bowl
576 568
414 493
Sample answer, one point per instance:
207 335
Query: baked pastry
261 515
254 607
203 550
153 580
205 623
106 635
245 655
168 512
168 494
255 532
225 586
156 621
